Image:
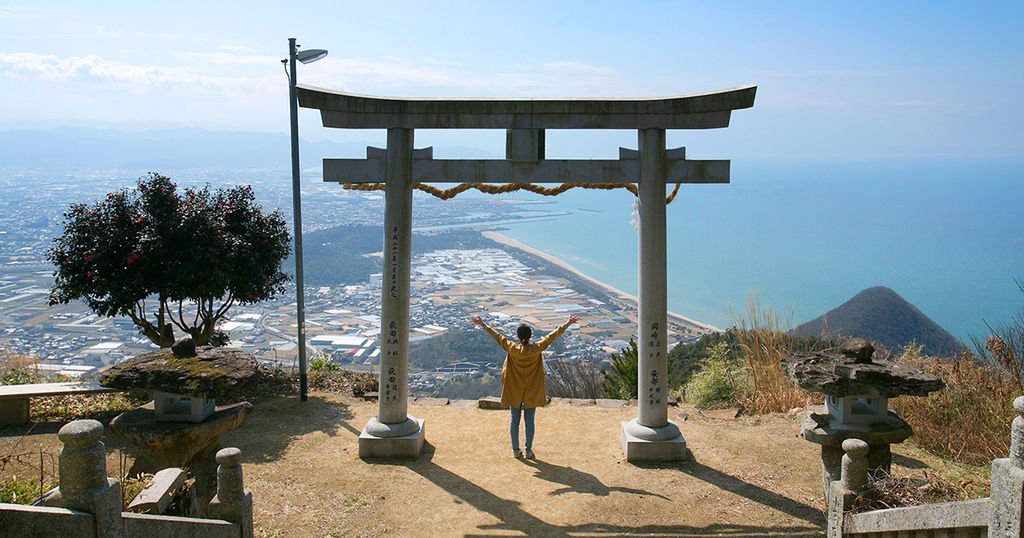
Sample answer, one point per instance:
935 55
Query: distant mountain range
163 149
882 316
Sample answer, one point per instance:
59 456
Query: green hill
882 316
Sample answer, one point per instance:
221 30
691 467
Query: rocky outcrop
853 372
211 372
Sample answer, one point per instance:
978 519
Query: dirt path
750 477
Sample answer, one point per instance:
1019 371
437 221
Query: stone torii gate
648 437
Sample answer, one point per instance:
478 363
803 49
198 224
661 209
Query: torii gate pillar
651 436
648 437
392 433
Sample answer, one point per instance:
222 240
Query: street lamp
306 56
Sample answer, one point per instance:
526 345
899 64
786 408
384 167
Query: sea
799 238
802 238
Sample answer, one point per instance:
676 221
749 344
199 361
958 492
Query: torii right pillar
651 436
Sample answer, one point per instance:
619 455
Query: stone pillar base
405 446
657 450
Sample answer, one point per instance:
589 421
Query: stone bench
14 398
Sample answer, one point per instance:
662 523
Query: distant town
503 284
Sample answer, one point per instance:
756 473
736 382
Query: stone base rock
491 402
407 446
212 372
642 450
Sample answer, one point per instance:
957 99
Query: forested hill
338 256
881 315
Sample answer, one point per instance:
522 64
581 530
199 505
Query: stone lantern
857 390
184 425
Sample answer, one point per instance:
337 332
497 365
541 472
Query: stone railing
88 503
998 515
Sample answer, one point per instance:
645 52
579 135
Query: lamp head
310 56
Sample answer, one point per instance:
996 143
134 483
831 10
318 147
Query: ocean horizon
804 238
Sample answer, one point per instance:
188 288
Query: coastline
512 243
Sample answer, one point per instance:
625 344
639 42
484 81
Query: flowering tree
168 259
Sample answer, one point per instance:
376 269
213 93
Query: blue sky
850 81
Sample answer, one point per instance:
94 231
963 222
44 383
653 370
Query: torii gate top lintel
698 111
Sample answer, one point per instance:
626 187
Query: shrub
718 381
15 490
16 369
620 380
321 362
167 259
976 404
684 359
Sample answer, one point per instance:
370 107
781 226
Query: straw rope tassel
448 194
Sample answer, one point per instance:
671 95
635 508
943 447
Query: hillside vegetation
882 316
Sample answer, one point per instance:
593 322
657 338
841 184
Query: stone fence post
232 502
84 484
1008 482
853 481
855 466
1017 434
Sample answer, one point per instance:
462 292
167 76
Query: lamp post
305 57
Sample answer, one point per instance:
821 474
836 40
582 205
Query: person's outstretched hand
572 320
475 320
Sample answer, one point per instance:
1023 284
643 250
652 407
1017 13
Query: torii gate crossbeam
648 437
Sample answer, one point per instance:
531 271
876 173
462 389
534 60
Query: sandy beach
509 242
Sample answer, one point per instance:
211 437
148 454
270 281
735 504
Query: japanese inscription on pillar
654 339
394 255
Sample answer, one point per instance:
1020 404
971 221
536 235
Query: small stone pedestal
402 440
644 444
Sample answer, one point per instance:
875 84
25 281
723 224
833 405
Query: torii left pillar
651 436
393 433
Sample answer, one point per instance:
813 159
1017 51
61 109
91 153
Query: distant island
882 316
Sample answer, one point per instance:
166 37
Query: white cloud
229 58
435 77
96 70
8 13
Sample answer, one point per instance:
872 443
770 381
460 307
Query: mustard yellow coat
522 375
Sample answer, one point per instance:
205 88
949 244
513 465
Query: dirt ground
752 476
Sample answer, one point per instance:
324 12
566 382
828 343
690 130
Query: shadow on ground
514 518
276 423
578 481
909 462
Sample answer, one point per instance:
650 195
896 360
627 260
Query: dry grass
763 339
573 380
898 490
976 403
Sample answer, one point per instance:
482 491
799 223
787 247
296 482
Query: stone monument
857 389
184 425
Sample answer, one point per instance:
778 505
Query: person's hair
524 332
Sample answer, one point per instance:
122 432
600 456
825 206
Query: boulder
211 372
490 402
851 372
184 347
